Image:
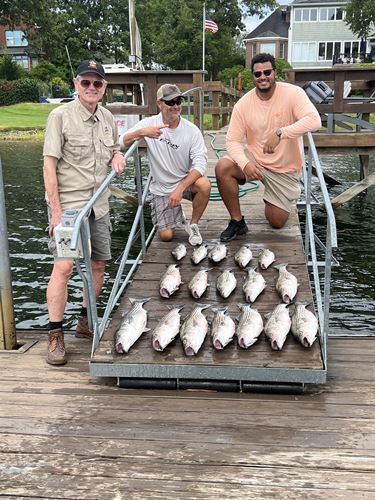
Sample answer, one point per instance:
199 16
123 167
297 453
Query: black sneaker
234 229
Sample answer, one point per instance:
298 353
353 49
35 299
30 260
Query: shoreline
22 135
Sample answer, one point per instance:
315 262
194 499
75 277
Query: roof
274 26
317 2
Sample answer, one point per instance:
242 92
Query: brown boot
56 348
82 330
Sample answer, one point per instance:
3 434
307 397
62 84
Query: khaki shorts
100 236
280 189
164 217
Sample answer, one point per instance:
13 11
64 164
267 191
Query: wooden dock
260 363
65 434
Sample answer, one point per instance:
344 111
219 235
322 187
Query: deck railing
312 241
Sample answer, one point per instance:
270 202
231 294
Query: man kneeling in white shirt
178 162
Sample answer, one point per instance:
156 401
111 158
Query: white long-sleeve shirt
173 154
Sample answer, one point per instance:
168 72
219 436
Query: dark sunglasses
266 72
98 84
172 102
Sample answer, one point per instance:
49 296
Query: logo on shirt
170 144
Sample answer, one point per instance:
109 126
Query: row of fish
253 285
303 324
219 251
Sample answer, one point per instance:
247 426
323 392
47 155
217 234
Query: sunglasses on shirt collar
172 102
98 84
265 72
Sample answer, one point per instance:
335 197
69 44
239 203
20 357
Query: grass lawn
25 116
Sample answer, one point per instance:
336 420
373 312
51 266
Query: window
351 49
327 50
269 48
22 61
282 51
331 14
305 15
15 39
253 49
304 51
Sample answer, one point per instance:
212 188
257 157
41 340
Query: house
13 42
270 36
319 36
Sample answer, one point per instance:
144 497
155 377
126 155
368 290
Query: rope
215 195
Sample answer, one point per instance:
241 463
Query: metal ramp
232 368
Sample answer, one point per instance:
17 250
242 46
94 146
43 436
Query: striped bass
179 251
199 253
226 283
277 326
218 252
170 281
199 283
132 326
253 285
265 259
243 256
304 325
250 326
194 330
286 284
167 329
223 328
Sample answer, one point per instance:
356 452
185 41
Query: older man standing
178 161
81 142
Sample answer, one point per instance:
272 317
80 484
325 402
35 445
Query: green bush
10 70
45 71
281 64
59 82
13 92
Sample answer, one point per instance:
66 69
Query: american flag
210 25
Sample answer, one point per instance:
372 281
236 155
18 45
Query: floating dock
233 367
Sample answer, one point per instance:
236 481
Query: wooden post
197 82
364 170
8 338
215 104
224 104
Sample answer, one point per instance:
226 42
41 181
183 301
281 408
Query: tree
360 16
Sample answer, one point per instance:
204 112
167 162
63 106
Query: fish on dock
167 328
194 330
304 325
243 256
218 252
265 258
179 251
223 328
199 283
250 326
170 281
286 284
133 325
253 285
199 253
226 283
277 326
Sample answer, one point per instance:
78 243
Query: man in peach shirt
272 117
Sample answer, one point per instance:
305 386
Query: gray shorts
164 217
280 189
100 237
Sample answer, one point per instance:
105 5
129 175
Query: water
353 282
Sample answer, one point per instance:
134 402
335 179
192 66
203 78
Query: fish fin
133 300
277 266
176 306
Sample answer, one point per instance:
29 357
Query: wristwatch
279 133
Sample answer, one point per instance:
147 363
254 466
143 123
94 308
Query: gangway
232 368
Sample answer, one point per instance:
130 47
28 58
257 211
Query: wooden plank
353 190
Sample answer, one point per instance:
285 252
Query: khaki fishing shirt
83 144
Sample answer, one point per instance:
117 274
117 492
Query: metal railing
312 241
80 233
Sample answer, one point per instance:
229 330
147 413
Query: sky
253 21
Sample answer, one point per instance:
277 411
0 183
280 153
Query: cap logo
92 64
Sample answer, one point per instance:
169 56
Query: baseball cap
90 66
168 92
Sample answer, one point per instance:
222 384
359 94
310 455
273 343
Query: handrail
80 232
322 299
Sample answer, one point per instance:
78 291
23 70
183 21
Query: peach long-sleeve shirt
290 110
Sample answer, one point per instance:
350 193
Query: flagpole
204 37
